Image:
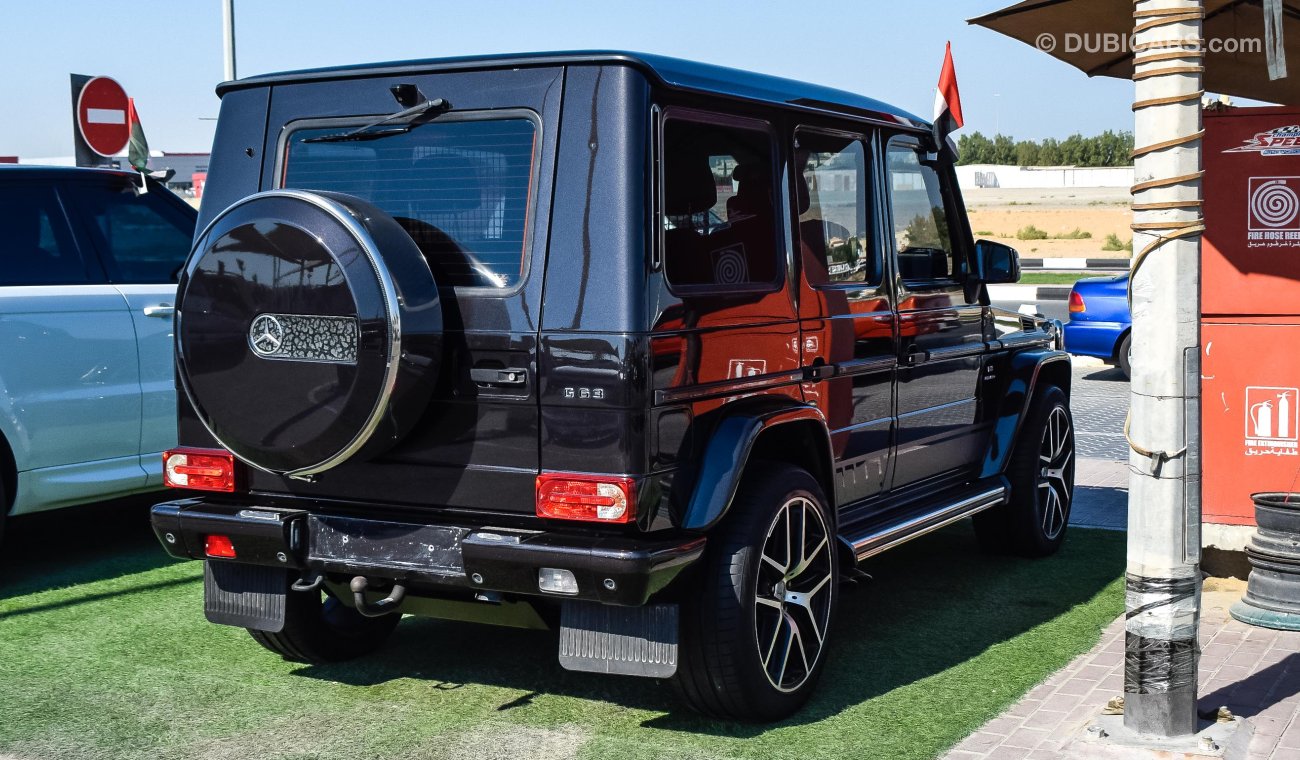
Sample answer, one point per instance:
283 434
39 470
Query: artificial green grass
104 653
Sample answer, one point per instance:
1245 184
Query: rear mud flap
247 596
632 641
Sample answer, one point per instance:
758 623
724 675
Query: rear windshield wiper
429 109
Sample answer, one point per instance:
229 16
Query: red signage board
1251 253
101 116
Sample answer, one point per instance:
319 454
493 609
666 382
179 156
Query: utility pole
228 36
1164 528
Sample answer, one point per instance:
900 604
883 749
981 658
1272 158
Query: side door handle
512 376
915 356
160 311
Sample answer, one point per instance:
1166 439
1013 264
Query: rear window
462 187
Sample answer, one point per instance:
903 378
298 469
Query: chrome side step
878 539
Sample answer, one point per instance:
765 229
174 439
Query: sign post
101 128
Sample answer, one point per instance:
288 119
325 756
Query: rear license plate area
349 544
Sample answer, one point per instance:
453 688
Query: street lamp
228 36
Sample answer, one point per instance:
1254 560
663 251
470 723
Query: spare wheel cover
308 330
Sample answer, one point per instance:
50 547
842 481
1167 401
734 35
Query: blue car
1100 323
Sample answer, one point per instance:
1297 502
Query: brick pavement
1100 494
1255 672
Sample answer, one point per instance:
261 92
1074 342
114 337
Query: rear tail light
1076 303
199 469
590 498
218 546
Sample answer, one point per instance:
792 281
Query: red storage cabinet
1250 310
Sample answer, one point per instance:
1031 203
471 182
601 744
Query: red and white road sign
101 116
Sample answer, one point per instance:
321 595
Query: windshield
460 187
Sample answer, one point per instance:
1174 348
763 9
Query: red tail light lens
1076 303
590 498
218 546
199 469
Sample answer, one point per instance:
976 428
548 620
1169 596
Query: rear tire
1124 356
753 639
319 631
1033 521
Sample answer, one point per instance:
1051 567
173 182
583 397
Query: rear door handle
493 376
160 311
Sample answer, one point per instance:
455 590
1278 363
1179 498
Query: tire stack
1272 597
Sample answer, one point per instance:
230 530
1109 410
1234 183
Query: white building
1042 177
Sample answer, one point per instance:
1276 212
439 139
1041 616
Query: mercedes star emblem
265 335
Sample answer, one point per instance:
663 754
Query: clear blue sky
167 53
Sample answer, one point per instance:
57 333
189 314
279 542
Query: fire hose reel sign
1272 421
1273 216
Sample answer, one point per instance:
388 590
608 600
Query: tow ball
375 609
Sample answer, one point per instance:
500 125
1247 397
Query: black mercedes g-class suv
646 350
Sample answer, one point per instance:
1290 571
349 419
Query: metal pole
228 36
1164 528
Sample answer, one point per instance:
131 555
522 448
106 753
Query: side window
36 247
143 240
721 227
926 256
834 217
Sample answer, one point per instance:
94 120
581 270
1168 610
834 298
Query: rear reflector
1076 303
590 498
218 546
199 469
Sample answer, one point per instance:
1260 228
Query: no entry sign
101 116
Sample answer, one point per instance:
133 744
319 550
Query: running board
879 538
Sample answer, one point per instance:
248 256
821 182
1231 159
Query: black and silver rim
793 597
1055 473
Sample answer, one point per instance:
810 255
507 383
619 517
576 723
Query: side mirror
996 263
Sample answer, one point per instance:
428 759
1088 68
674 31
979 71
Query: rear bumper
609 569
1089 338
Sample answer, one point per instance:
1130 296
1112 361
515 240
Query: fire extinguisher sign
1271 421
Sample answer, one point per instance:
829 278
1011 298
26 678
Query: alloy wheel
1056 473
793 595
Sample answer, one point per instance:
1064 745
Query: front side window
460 187
834 218
143 239
719 208
35 245
926 256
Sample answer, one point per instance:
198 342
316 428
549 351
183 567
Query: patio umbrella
1236 63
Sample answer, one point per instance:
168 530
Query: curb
1074 264
1028 293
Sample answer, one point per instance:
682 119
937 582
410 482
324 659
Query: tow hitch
375 609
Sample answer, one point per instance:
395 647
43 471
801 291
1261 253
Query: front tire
753 640
318 631
1032 522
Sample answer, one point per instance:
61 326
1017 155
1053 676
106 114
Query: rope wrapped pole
1164 532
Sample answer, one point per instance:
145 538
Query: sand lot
998 214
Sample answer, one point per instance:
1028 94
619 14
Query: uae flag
138 152
947 101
